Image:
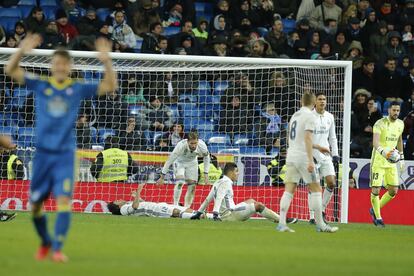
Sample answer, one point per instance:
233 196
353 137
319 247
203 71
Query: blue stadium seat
105 132
203 7
103 13
385 107
242 140
10 12
138 45
48 3
25 10
191 113
218 139
49 12
25 136
8 23
230 151
289 25
186 108
175 111
216 148
29 3
252 150
209 99
152 136
185 98
94 135
8 130
204 87
220 87
206 15
201 125
170 31
262 31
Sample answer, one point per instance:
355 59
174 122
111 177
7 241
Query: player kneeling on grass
139 207
224 206
387 136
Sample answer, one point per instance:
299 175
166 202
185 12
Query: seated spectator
131 138
330 10
73 10
270 127
201 33
340 45
263 13
83 132
407 13
89 24
241 86
122 33
300 49
394 47
175 135
174 16
219 27
151 39
354 54
67 30
235 118
389 82
161 145
350 12
325 52
19 31
176 40
286 8
408 39
111 111
404 66
162 45
407 106
223 9
11 42
52 38
314 41
303 28
329 30
143 17
188 8
103 31
353 31
277 38
156 116
36 21
409 131
245 26
362 7
409 81
243 10
189 45
260 49
378 40
238 46
14 171
218 47
364 77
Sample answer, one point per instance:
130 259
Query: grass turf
115 245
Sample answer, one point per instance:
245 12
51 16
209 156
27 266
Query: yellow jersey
389 134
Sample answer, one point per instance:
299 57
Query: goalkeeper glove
216 216
386 154
197 215
336 159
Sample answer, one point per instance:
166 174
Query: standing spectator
156 116
377 41
370 27
36 22
364 77
111 111
201 33
394 47
123 33
286 8
130 138
73 10
52 38
340 45
143 17
389 82
83 132
235 118
151 39
328 9
67 30
19 31
277 38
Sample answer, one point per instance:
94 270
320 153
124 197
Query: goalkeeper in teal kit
57 100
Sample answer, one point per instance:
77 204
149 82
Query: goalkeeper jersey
389 133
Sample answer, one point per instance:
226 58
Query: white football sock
316 205
326 198
284 206
311 212
177 191
270 215
189 196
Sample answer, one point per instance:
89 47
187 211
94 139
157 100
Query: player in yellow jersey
384 171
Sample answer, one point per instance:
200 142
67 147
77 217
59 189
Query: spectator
303 28
201 33
219 27
83 132
2 36
243 10
235 118
326 10
354 29
73 10
11 42
123 33
354 54
246 26
389 82
409 80
89 24
270 127
130 138
67 30
36 22
407 13
329 31
241 86
161 145
300 49
150 43
325 52
340 45
313 43
404 67
188 8
156 116
103 31
305 9
175 135
286 8
111 111
238 45
370 27
188 44
394 47
377 41
143 17
19 31
362 7
408 39
364 77
162 45
409 131
350 12
407 106
277 38
176 40
223 9
52 38
174 16
264 13
219 47
260 48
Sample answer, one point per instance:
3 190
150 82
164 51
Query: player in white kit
184 159
224 206
325 150
300 165
141 208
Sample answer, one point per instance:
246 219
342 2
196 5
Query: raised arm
137 196
13 68
109 83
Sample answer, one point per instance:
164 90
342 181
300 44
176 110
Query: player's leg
377 176
183 212
191 175
291 180
263 211
391 183
179 173
242 211
327 171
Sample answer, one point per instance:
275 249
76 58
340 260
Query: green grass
114 245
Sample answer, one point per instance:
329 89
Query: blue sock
40 224
61 229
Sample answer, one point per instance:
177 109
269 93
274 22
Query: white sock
177 191
189 196
284 206
326 198
316 205
185 215
311 212
270 215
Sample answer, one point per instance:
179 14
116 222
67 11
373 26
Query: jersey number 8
292 133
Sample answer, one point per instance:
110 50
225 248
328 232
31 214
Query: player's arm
137 196
218 200
18 167
13 68
109 82
173 156
6 142
309 148
377 129
321 149
333 142
206 161
204 205
400 147
97 166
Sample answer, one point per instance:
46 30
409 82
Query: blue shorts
52 172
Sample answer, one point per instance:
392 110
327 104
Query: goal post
240 107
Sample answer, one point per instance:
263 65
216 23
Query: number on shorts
292 134
375 176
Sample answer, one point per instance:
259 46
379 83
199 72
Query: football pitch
115 245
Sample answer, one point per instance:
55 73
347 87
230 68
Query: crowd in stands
376 35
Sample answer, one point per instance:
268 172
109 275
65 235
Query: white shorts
295 171
326 168
159 210
242 211
187 170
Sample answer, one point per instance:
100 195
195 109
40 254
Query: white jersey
148 209
302 121
325 135
222 193
183 154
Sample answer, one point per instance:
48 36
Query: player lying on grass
387 136
57 100
224 206
142 208
6 143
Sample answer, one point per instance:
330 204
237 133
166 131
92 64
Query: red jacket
68 31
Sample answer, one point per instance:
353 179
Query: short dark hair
229 167
161 37
114 208
119 11
35 10
390 59
320 93
153 25
62 52
368 60
394 103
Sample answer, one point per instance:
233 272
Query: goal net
239 106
